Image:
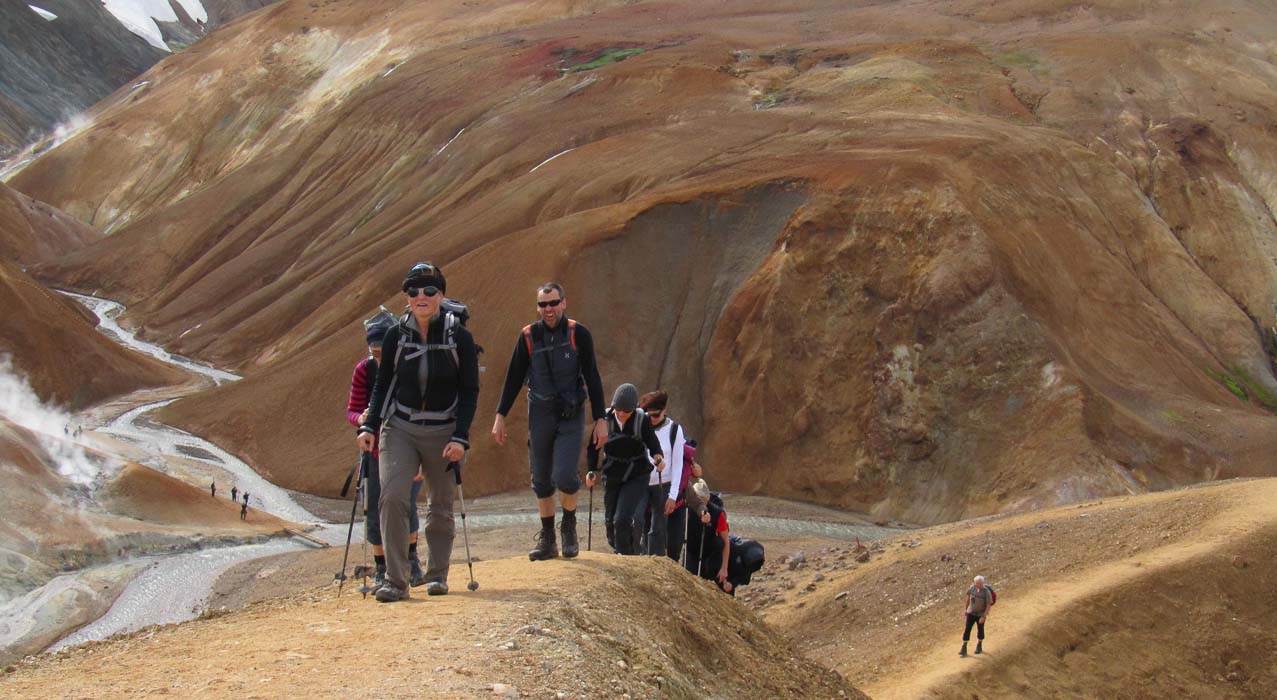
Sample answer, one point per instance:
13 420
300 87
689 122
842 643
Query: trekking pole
361 493
589 532
465 534
700 559
354 504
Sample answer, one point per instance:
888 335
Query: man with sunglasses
555 358
423 402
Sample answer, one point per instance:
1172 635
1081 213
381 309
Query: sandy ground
596 627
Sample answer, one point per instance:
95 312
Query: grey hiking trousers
404 447
554 449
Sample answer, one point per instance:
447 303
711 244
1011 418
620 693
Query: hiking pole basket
465 533
354 505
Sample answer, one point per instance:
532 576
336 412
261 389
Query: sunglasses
413 291
549 304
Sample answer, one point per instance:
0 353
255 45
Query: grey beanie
626 398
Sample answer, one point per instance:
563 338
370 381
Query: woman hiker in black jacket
424 400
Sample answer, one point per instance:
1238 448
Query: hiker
709 542
422 403
357 413
696 516
626 466
245 498
676 527
234 489
661 502
979 600
212 489
555 358
243 512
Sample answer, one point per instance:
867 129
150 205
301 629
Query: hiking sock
547 523
380 561
412 551
569 516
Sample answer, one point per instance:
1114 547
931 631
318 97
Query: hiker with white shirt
662 486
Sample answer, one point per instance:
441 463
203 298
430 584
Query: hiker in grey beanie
630 438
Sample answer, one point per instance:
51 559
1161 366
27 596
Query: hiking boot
546 547
437 588
379 579
390 593
417 576
979 647
571 547
963 651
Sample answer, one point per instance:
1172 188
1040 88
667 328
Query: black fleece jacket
445 383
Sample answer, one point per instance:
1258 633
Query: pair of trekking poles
365 589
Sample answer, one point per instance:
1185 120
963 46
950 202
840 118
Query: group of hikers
235 496
413 400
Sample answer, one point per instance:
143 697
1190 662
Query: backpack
455 314
993 595
689 456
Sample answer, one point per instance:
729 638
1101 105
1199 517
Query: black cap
425 275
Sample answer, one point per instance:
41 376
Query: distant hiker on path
422 403
979 600
555 358
234 490
212 489
243 512
664 485
357 413
626 467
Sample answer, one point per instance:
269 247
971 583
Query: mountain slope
932 259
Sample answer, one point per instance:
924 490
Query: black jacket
624 454
447 382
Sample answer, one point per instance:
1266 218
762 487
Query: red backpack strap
527 338
572 333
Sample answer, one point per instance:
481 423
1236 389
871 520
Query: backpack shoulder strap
639 417
572 333
527 338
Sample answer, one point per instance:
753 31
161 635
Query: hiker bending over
664 485
712 543
979 600
630 439
357 412
423 402
555 357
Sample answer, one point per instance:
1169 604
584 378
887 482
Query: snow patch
43 12
52 428
141 16
547 160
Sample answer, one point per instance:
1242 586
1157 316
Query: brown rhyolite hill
49 339
934 259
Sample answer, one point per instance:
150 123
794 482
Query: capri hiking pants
554 449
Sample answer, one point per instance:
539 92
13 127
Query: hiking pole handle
456 471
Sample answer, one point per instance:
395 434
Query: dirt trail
1067 581
597 627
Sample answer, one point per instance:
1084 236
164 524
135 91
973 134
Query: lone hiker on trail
979 600
555 357
630 439
234 490
212 489
422 403
664 485
357 413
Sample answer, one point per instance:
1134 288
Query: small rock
560 695
818 578
504 691
862 557
509 646
796 560
531 629
1042 525
841 595
1239 562
622 665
